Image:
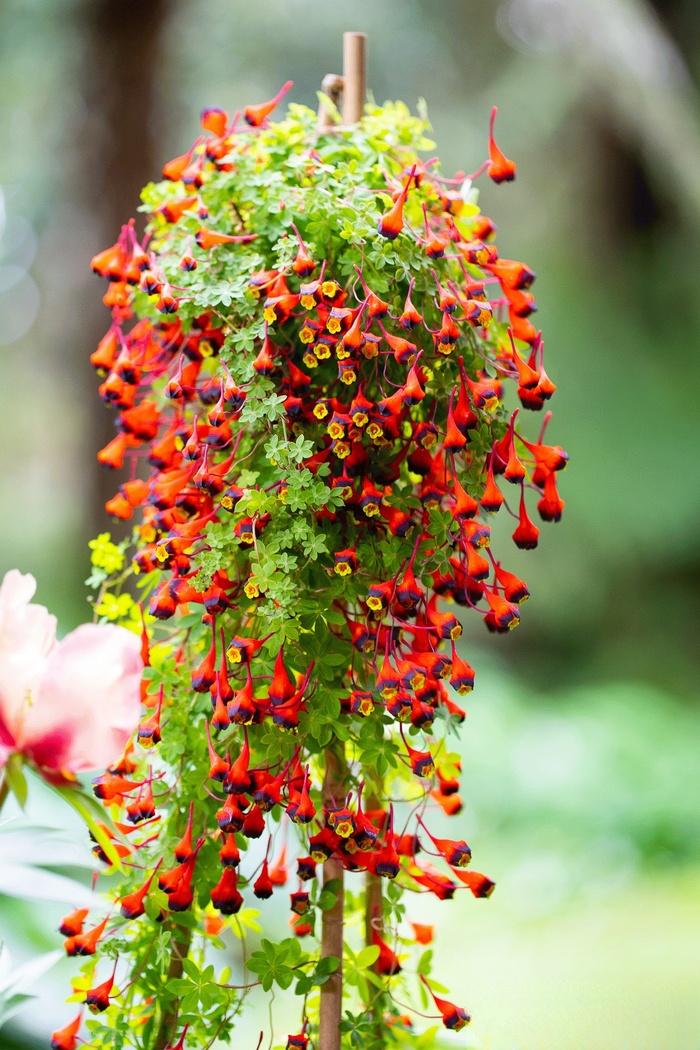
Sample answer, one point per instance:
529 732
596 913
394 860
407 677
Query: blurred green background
580 752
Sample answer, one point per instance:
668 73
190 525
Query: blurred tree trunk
117 153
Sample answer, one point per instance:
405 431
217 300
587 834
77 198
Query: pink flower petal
27 638
88 702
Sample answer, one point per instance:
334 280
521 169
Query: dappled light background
580 749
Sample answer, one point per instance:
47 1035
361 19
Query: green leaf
367 957
86 807
327 900
327 965
304 985
179 985
191 969
16 780
330 107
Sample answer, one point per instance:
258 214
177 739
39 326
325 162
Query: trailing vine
308 360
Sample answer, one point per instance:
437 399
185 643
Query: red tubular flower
66 1038
253 823
360 703
148 732
257 115
479 884
218 767
262 887
446 624
86 943
404 351
306 868
302 810
410 317
450 804
72 925
526 535
454 438
230 817
177 883
303 265
514 588
225 896
323 845
204 676
422 764
105 356
391 224
453 1017
215 120
345 562
211 238
465 506
448 784
173 210
97 998
269 793
551 505
408 592
387 963
500 169
112 455
238 779
179 1045
175 168
432 879
493 498
242 650
457 854
341 821
462 676
229 853
242 709
400 523
132 905
387 862
183 851
423 933
400 706
300 902
504 615
379 595
477 567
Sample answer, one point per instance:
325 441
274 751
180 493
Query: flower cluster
308 360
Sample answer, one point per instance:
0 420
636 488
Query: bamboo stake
354 76
331 1010
331 85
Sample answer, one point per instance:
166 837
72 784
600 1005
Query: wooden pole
334 788
332 86
331 1009
354 76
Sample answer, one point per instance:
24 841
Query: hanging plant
308 360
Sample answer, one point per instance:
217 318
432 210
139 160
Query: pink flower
67 706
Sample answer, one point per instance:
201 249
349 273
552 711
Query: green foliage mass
330 186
